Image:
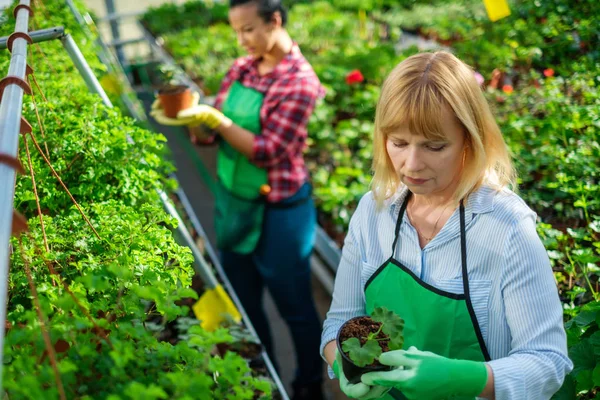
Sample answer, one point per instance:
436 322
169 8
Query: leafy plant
583 335
167 74
105 301
365 350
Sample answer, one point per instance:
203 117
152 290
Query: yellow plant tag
213 307
496 9
362 18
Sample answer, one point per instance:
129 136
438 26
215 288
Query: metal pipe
10 126
84 69
322 273
201 266
327 249
83 23
125 42
75 12
38 36
119 16
187 206
107 58
114 29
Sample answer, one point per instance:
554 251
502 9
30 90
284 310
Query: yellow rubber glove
205 115
157 112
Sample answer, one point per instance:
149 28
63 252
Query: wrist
472 375
336 368
224 123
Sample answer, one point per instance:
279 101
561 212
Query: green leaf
595 342
583 319
583 357
568 390
396 341
361 355
392 326
584 381
137 390
596 375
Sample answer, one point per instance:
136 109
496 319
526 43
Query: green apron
239 205
437 321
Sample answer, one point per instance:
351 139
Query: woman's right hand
201 136
359 390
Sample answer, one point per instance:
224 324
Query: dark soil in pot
360 327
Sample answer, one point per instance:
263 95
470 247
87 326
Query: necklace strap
437 221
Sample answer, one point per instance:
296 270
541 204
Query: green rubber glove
423 375
359 390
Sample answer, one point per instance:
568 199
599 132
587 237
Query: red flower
508 89
354 77
548 72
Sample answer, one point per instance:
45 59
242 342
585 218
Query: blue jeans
281 261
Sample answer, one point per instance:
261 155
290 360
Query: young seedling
390 324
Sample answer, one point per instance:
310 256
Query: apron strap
463 250
399 222
465 276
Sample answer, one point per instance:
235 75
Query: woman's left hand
359 390
425 375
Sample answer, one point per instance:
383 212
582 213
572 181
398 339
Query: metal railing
11 104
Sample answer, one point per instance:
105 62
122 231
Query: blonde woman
443 241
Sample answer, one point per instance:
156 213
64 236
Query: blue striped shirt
512 286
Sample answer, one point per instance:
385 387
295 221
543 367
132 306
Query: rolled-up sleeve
538 361
348 296
285 129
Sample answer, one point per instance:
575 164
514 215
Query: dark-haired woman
265 216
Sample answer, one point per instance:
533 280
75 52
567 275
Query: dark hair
266 8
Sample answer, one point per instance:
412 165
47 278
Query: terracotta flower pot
352 371
174 99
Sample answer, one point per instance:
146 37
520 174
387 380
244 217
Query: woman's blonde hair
415 92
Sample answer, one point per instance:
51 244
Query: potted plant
173 95
361 340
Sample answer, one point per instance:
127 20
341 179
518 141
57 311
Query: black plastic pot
352 371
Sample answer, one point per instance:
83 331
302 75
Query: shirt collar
479 202
288 62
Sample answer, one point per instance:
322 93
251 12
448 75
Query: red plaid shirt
290 91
